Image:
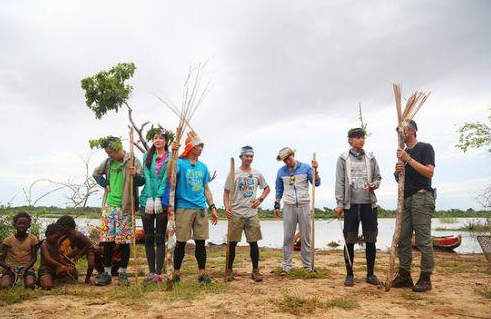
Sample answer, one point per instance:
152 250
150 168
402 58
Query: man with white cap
292 184
193 201
242 210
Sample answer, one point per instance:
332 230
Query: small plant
297 305
342 303
486 293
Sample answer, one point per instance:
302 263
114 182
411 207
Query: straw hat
284 153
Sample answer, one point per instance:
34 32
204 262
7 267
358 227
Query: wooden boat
297 242
447 243
140 236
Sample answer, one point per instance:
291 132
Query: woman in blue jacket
154 200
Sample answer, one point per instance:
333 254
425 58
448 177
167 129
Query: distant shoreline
326 213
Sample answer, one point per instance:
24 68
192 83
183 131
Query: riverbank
264 214
461 287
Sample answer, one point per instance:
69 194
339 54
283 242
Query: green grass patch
455 267
486 293
342 303
448 220
296 305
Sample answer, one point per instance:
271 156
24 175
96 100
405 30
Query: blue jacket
294 188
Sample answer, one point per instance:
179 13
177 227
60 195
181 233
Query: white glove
149 206
158 206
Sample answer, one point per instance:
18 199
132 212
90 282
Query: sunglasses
292 179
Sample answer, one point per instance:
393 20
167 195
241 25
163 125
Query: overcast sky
284 73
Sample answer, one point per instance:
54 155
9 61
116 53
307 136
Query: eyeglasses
292 179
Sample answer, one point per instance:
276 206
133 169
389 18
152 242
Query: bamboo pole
132 201
171 219
312 239
229 224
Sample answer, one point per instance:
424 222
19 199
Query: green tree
109 91
475 135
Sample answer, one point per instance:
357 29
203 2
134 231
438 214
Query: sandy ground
458 286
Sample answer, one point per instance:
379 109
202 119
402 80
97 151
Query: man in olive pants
418 162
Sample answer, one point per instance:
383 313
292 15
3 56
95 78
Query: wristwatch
261 199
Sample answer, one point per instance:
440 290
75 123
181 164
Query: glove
158 206
149 206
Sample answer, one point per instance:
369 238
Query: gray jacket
343 179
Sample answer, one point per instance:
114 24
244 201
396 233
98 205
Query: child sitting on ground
19 254
53 267
83 246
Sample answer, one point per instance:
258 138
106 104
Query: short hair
22 215
53 229
66 221
356 132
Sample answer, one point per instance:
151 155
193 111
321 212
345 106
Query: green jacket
155 185
101 176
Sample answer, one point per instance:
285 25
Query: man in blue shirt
292 184
191 199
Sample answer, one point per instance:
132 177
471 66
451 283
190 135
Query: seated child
99 260
83 245
19 254
52 266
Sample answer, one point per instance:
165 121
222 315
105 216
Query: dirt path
462 287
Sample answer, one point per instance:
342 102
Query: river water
326 231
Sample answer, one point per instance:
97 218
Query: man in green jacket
113 174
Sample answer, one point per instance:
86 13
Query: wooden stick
171 219
229 225
312 239
132 200
398 226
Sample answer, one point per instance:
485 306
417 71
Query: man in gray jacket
357 177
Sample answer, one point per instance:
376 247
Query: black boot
403 279
423 284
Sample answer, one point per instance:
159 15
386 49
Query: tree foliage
108 141
158 129
475 135
107 90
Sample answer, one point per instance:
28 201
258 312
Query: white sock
122 270
107 270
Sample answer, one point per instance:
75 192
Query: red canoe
448 243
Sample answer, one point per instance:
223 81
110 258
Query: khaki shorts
191 223
250 225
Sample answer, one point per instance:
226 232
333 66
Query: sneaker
423 284
204 279
403 280
284 272
349 281
123 279
151 278
230 275
373 280
256 275
103 279
176 278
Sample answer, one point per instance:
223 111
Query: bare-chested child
53 267
83 245
19 254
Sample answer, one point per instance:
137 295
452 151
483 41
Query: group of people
357 178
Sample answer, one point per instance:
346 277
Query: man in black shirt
418 162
